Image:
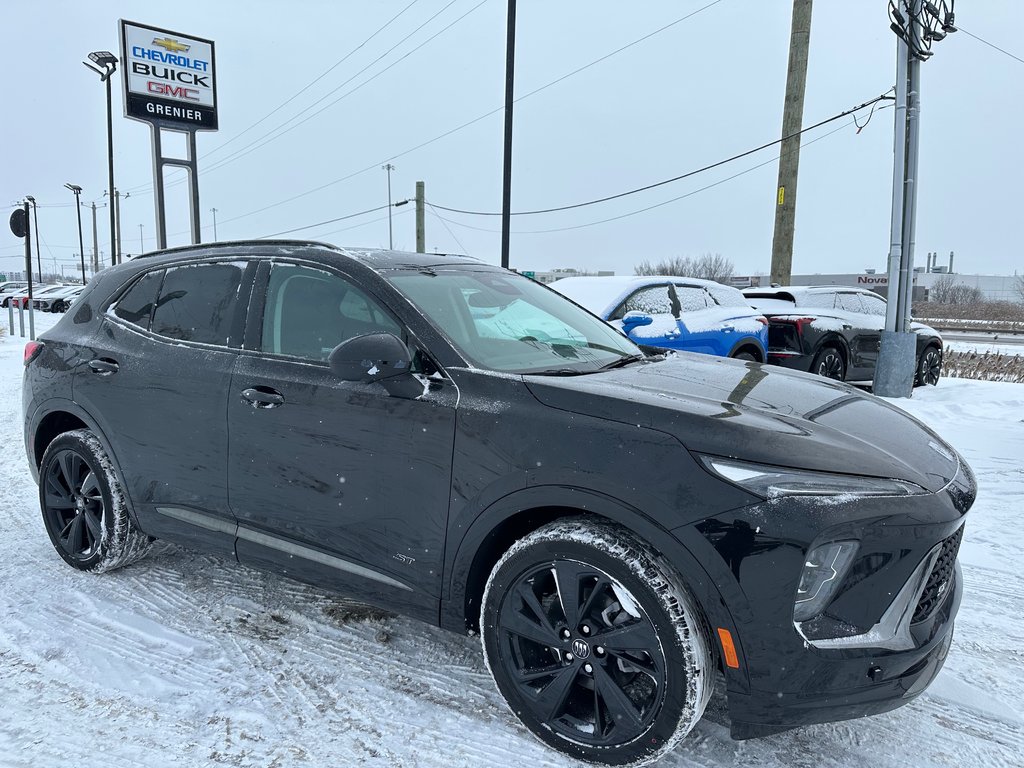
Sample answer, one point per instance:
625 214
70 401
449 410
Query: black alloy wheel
829 363
84 507
929 367
73 505
598 661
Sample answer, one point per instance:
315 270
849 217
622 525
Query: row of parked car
834 331
46 298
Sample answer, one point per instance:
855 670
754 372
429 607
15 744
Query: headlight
773 482
824 569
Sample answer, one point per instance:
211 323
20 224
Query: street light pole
78 207
506 182
214 212
389 168
142 242
104 63
35 220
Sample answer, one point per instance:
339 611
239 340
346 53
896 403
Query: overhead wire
674 179
445 224
990 45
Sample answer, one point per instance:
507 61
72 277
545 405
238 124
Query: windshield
506 322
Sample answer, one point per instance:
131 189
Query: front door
333 481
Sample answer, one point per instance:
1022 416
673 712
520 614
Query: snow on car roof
602 294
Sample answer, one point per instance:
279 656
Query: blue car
677 313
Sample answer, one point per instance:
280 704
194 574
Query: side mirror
635 319
377 357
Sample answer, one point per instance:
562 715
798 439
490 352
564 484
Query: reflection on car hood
762 414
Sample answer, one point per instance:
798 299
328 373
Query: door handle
104 366
263 397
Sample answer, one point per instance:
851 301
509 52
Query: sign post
170 82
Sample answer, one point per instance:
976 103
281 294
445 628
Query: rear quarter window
197 302
136 305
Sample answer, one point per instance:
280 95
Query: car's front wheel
84 507
929 367
595 643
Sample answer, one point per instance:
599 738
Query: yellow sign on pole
782 195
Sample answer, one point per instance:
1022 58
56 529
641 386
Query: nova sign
169 79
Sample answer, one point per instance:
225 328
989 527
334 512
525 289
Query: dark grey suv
461 444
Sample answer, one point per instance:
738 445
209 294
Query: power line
281 129
680 177
477 119
445 225
649 207
990 45
331 221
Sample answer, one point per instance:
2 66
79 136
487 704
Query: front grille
938 580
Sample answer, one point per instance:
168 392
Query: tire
829 363
746 356
84 508
929 367
566 672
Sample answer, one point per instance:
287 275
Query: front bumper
884 635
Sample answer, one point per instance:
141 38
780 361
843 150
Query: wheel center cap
580 648
79 505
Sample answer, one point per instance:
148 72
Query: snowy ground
190 660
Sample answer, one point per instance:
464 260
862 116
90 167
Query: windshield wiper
622 361
557 372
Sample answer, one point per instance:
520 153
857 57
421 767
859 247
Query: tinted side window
850 302
136 305
819 300
197 302
309 312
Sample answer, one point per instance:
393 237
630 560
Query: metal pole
506 183
214 212
789 155
110 170
910 207
158 191
35 222
421 234
391 240
117 211
28 273
95 242
142 240
81 242
193 175
899 170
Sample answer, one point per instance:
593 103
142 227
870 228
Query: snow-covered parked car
836 332
678 313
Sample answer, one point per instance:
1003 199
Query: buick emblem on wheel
580 649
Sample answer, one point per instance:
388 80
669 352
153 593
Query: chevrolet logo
171 45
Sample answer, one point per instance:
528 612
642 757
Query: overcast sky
702 90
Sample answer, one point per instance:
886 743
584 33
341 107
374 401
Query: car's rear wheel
745 354
595 643
84 508
929 367
830 364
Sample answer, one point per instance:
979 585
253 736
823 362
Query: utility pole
77 191
917 25
214 212
789 159
35 220
421 231
142 241
391 240
506 181
95 242
117 209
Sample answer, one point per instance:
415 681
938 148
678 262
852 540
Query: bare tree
710 266
1018 287
946 290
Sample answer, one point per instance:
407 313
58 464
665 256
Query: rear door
156 380
336 482
865 334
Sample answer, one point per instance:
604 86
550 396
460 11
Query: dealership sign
169 79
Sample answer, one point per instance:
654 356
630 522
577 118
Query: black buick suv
458 443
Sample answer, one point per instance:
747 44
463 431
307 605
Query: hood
762 414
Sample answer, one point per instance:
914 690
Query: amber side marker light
728 648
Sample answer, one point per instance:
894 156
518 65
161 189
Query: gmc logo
174 91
